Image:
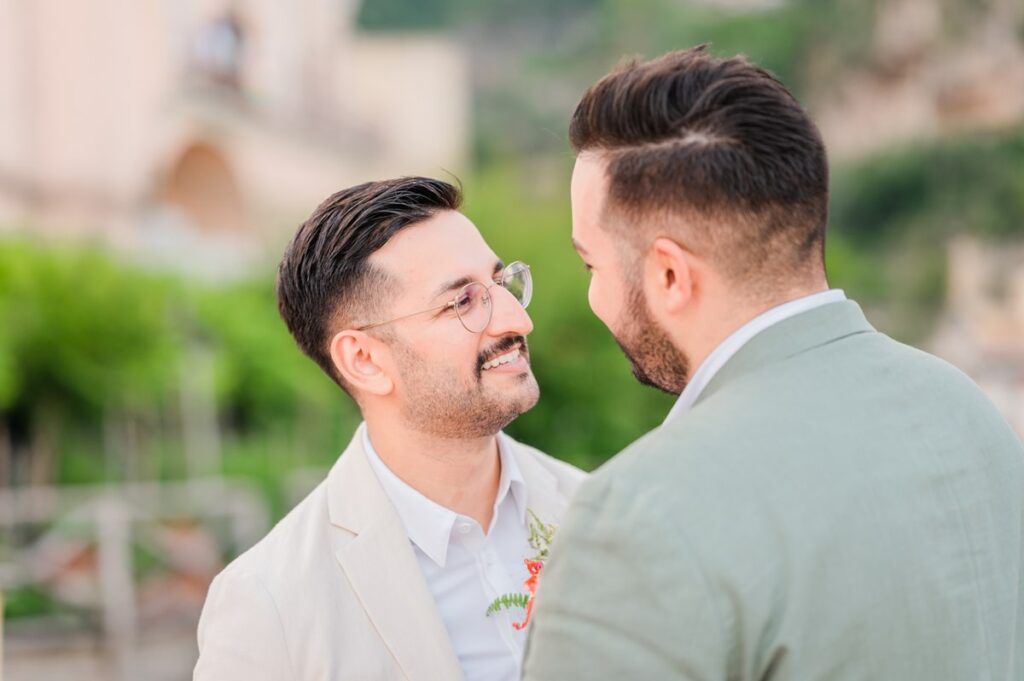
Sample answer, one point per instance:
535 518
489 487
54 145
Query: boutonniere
540 538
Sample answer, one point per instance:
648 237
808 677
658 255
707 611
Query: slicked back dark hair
325 280
717 145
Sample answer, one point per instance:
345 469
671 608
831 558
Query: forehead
587 193
428 253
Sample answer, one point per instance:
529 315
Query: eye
587 268
463 302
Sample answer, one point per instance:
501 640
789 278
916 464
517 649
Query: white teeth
502 359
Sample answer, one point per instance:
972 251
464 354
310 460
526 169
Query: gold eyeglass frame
454 301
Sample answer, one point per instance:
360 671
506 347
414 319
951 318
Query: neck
460 474
733 316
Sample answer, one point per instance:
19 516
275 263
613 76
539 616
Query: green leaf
506 602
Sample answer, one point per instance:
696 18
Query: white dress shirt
466 569
731 345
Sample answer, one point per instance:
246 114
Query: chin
526 394
529 382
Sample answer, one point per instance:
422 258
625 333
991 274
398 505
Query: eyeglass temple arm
450 303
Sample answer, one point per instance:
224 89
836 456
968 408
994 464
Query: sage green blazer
835 506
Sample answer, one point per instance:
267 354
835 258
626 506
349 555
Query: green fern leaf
506 602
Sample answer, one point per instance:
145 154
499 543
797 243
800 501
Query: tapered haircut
716 152
325 282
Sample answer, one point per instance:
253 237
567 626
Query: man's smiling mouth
510 356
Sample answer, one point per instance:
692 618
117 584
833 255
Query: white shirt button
464 528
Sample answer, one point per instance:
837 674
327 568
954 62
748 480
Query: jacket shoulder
298 536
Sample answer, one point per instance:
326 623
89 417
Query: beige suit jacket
334 591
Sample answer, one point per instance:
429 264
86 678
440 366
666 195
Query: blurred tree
85 337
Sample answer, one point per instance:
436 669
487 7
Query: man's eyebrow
579 247
462 281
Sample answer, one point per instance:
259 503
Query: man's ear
362 361
671 275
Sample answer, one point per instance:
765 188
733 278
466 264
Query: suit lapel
381 566
543 497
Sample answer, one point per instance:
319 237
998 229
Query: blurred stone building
934 67
983 327
199 132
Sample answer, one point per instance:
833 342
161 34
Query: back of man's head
717 154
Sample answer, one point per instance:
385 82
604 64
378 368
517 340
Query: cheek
458 352
446 348
460 361
603 300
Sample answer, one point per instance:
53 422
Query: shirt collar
429 524
731 345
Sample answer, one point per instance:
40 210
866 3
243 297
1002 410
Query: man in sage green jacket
822 502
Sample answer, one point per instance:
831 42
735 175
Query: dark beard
438 404
655 361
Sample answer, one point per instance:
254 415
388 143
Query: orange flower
534 567
540 537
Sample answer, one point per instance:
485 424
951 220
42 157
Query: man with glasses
386 570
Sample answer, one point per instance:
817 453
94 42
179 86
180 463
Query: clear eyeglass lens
516 279
473 306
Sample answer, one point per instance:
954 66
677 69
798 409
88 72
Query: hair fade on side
325 279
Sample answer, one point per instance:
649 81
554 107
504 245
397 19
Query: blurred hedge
94 354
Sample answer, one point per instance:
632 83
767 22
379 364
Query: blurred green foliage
28 600
87 342
973 183
60 345
261 377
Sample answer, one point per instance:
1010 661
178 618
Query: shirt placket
494 578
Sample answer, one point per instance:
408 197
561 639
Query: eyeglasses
473 305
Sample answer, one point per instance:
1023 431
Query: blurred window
217 52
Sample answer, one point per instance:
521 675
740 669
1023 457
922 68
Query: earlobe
671 275
357 359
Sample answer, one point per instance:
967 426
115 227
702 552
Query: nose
508 316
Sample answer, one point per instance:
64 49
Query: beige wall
99 101
416 89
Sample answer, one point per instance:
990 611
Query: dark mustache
500 348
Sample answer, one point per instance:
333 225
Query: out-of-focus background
156 155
